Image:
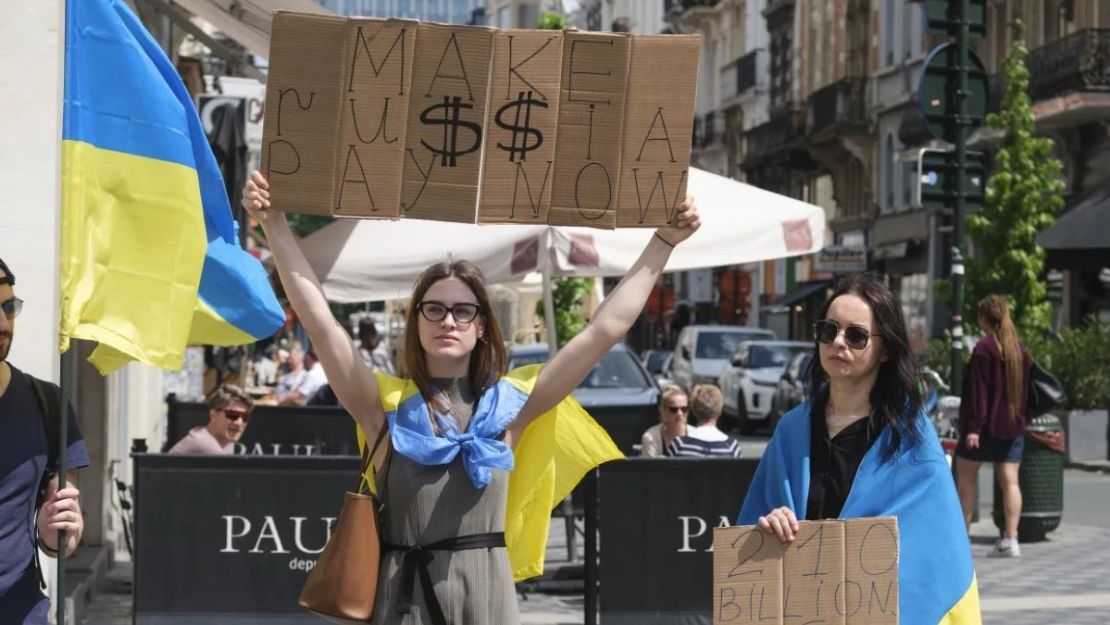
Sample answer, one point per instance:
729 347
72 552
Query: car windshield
719 345
617 369
655 361
773 355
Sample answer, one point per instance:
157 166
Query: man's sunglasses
857 337
235 414
436 311
12 307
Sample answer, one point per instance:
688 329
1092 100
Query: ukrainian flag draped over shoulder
150 257
936 578
552 456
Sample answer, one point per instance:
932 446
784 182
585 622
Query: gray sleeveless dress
425 504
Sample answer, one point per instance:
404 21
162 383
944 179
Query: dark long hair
487 361
896 396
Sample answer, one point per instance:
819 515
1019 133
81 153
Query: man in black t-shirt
23 459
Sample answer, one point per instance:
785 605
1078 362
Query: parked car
658 364
750 380
619 393
791 389
702 352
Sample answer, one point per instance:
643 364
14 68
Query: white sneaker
1005 548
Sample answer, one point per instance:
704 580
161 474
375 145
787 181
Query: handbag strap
368 456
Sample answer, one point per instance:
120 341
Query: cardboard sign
591 124
374 111
393 118
520 126
302 111
655 159
447 113
835 572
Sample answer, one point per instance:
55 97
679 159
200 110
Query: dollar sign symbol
450 152
522 99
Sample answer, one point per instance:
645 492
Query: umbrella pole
549 313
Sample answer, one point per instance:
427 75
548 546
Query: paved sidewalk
1064 580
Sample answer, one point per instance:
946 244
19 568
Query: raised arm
610 324
353 382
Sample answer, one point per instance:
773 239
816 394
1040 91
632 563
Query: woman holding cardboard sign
861 446
453 514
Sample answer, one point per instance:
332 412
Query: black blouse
833 464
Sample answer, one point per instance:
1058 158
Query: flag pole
66 380
68 391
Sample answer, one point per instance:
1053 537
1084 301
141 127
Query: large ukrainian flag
150 257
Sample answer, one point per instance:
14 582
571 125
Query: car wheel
744 425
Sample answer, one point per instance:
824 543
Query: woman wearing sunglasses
674 415
861 446
477 456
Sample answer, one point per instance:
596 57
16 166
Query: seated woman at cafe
706 440
674 410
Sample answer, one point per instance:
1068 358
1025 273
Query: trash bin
1042 481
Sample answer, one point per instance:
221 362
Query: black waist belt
418 557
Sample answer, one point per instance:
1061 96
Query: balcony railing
709 129
775 135
673 8
843 102
741 75
1078 62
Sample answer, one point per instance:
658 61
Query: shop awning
1085 224
248 23
802 292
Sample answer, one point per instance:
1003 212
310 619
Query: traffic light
939 180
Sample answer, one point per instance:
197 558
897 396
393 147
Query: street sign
939 180
942 17
841 259
937 97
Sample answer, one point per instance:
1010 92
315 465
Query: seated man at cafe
313 380
229 410
706 440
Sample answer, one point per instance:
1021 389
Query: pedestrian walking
465 465
861 446
993 417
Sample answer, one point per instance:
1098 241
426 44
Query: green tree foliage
552 20
568 295
1023 197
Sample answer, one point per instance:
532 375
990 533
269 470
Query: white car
750 380
702 352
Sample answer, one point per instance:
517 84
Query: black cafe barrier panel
655 519
230 539
276 430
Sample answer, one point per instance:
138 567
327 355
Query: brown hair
706 402
222 396
994 309
487 361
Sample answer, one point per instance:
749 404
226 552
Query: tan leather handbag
342 586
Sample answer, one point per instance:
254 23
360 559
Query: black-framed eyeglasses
857 337
437 311
12 307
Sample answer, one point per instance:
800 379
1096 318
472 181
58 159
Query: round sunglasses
12 307
437 311
856 337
